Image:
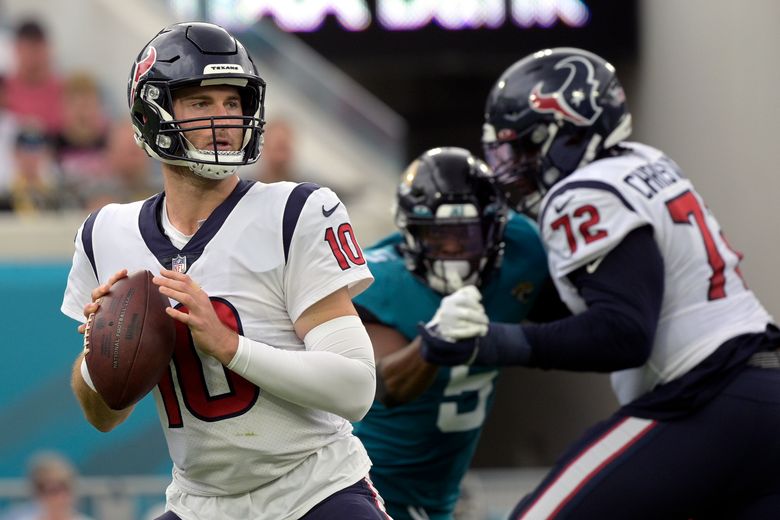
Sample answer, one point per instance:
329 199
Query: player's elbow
621 338
632 344
102 426
356 413
358 403
103 418
102 423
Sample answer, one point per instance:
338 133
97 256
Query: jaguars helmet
452 218
186 55
549 114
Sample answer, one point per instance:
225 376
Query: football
129 341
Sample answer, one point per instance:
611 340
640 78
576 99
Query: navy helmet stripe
86 240
292 211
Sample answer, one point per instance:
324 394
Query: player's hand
442 351
454 282
97 293
208 332
461 315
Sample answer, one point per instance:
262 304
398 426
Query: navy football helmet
452 217
547 115
186 55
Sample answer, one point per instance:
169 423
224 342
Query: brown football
129 340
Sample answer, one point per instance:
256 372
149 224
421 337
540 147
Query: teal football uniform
422 449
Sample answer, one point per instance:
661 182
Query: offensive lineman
455 229
658 299
271 361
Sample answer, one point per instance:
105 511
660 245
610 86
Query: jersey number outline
682 208
461 382
238 400
345 246
585 228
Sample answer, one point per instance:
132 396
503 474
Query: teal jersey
422 449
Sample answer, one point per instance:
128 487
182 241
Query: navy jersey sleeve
548 305
616 332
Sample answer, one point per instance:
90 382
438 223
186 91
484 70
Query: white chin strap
208 171
443 270
213 171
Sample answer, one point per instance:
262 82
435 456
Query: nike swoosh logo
559 207
329 212
591 267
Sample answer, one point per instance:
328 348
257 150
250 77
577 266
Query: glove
442 351
504 344
460 315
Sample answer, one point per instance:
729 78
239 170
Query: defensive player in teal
455 229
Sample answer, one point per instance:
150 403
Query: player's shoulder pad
577 191
391 277
385 250
101 223
586 215
520 227
311 208
522 238
107 217
387 264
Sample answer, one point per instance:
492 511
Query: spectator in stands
34 89
131 174
53 480
33 183
81 145
278 162
8 132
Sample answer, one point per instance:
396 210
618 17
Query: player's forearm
617 330
403 375
335 374
96 411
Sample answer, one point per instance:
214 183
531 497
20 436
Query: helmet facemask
520 165
452 218
171 144
451 251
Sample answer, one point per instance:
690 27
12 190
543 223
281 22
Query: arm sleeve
335 373
616 331
548 305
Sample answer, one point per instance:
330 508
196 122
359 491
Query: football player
455 230
659 301
271 361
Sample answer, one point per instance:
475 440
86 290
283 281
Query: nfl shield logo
179 264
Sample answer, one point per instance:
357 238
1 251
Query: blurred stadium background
368 85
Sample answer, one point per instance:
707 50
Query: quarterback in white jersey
271 362
657 298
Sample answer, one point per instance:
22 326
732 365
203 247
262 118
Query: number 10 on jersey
344 246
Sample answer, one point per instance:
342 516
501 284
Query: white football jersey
705 300
264 256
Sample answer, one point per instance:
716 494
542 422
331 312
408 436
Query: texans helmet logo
574 100
141 68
